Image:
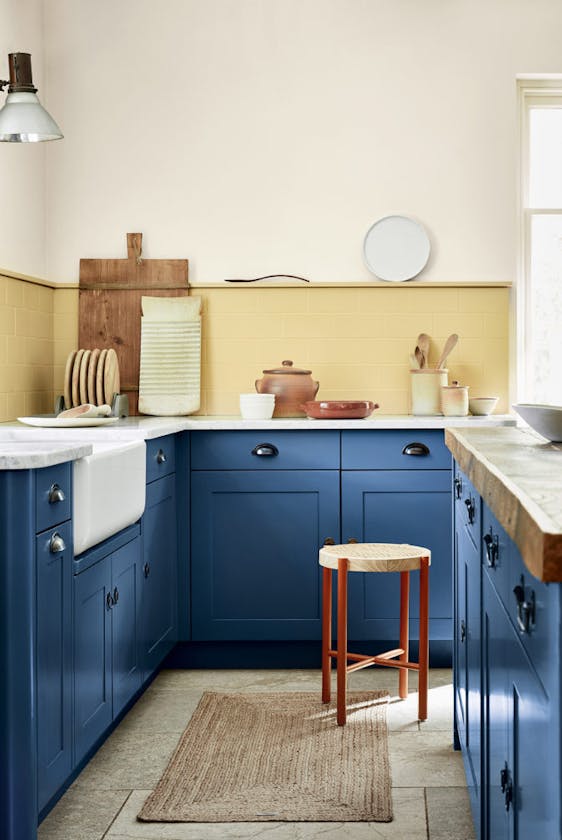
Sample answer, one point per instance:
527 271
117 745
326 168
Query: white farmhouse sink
109 491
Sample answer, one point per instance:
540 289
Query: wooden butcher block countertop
519 476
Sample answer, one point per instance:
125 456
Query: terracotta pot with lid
292 386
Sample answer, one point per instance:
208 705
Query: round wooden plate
99 377
76 378
92 367
68 379
111 376
83 387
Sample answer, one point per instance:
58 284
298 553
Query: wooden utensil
423 344
449 345
419 357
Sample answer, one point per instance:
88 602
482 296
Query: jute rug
277 757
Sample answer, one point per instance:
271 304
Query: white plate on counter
49 422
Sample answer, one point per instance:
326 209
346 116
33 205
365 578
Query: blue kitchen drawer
468 507
53 496
387 449
285 450
160 457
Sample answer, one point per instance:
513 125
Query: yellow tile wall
355 340
26 348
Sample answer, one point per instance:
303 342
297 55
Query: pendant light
23 119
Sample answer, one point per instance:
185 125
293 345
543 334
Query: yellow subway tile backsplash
356 341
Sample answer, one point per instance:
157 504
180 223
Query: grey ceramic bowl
544 419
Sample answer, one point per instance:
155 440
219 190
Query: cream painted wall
22 165
259 136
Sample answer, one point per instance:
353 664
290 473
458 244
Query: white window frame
544 92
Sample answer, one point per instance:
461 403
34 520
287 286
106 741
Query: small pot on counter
292 387
454 400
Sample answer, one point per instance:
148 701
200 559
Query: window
540 276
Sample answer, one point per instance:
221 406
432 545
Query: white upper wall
22 165
261 136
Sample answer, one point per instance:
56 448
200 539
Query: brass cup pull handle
56 494
329 541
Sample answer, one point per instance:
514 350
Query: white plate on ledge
48 421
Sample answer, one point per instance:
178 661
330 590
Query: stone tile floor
429 788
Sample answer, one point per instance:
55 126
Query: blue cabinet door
399 506
93 710
54 662
255 542
158 625
126 576
468 656
497 635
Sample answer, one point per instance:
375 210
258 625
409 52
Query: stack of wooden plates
91 376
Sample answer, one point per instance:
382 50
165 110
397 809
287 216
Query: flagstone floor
428 783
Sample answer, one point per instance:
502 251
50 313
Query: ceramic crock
292 387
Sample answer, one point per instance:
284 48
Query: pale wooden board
109 310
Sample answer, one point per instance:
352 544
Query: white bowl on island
544 419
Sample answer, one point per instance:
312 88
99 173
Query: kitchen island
507 628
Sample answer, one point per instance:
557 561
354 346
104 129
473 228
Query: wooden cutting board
109 310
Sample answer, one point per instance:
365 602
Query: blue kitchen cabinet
255 542
262 504
507 692
467 653
54 660
158 592
396 488
107 671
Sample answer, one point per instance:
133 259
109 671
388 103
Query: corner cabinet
507 679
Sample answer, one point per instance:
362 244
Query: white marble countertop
25 447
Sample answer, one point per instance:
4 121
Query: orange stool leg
404 617
342 640
424 638
326 633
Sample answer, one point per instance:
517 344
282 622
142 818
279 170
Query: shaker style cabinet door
399 506
255 542
158 587
54 660
126 672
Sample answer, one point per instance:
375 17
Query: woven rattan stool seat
374 557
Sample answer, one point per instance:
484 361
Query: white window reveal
540 275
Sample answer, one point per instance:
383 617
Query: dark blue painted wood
93 709
255 540
183 525
98 552
50 513
383 450
126 567
398 506
54 663
297 450
18 722
158 581
160 457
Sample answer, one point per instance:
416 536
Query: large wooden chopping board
109 312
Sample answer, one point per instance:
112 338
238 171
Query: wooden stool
374 557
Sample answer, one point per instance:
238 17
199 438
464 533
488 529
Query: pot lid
287 367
